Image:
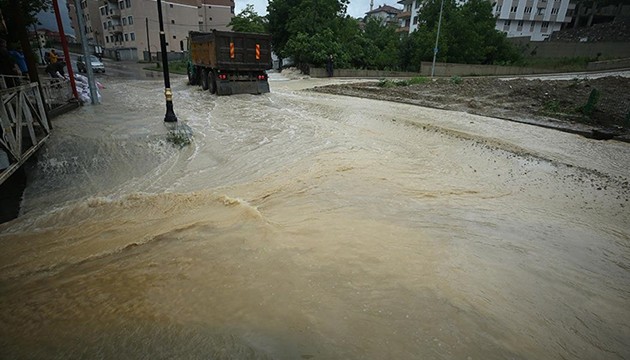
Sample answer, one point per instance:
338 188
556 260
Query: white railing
57 91
23 125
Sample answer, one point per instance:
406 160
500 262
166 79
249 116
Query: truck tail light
262 77
222 77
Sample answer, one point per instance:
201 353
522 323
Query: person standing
56 70
53 57
329 65
20 60
8 65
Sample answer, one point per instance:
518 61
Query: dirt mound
585 106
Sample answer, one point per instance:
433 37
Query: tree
249 21
29 10
295 24
467 35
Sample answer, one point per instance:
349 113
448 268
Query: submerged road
300 225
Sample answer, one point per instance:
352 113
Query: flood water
300 225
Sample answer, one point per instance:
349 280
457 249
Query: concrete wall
608 65
353 73
447 69
556 49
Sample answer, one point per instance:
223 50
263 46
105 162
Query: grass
413 81
179 67
456 80
551 107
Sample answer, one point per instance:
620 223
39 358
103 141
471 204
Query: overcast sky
356 8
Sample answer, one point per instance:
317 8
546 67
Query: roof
386 9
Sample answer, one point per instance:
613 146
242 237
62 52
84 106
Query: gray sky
356 8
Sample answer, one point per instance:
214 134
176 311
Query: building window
544 25
121 4
554 11
104 26
170 5
513 9
417 4
174 37
124 21
126 37
528 10
107 39
172 21
103 11
540 11
132 36
128 3
415 20
499 8
130 20
520 23
232 10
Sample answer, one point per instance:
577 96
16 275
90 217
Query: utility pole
64 44
437 38
86 53
148 40
168 93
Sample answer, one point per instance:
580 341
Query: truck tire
213 82
204 79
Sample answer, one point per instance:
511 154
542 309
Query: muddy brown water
310 226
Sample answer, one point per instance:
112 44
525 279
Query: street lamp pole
148 40
168 94
437 37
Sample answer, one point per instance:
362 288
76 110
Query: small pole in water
170 114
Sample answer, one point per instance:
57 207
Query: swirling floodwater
300 225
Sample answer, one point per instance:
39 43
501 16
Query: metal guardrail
23 124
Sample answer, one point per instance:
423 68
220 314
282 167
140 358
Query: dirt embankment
559 104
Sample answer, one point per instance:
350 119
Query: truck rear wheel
213 82
204 79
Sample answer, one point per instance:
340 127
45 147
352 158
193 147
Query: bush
456 80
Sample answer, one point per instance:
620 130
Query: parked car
97 65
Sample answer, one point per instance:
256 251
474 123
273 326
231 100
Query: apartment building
385 13
91 21
126 29
535 19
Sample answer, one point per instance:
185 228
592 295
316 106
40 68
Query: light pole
437 38
148 40
168 94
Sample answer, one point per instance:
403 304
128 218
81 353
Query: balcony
115 29
404 15
404 29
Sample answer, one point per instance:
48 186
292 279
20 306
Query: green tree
467 35
385 42
249 21
28 9
298 28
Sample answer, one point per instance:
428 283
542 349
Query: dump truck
229 62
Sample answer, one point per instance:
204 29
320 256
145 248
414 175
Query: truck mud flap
242 87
